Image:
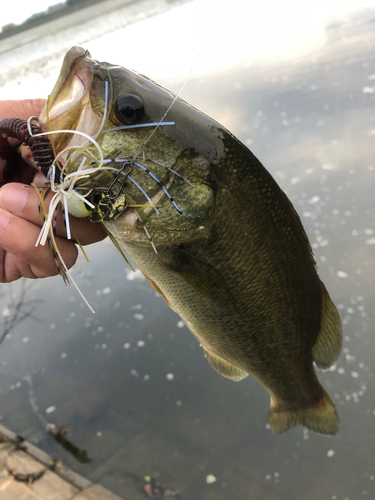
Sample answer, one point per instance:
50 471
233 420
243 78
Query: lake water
297 85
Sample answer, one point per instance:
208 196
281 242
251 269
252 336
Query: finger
17 239
23 201
21 108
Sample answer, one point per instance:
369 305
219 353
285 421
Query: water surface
131 382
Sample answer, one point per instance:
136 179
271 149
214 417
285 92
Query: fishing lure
40 145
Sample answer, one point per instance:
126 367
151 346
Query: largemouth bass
209 228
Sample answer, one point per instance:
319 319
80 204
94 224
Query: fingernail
4 220
13 199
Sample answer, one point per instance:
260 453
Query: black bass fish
209 228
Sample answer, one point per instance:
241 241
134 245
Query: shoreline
47 18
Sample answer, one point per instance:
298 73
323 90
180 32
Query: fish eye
129 109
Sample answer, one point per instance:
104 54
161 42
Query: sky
17 12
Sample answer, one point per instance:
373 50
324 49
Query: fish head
168 166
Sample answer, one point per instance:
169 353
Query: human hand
20 221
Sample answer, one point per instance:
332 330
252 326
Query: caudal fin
321 417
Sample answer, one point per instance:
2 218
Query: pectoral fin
222 366
200 275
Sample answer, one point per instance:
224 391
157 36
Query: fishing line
176 96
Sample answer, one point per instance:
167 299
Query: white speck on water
138 316
309 171
369 231
350 310
72 315
25 339
327 166
368 90
341 371
342 274
276 474
50 409
268 477
134 373
285 122
146 377
141 343
249 142
63 355
180 324
355 374
136 275
137 307
100 329
106 290
313 200
170 376
294 180
332 368
371 132
178 403
330 453
371 241
210 479
104 346
126 345
6 312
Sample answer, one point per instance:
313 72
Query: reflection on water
131 383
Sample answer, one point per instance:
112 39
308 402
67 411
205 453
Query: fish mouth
69 105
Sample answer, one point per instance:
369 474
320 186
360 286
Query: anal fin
328 344
223 367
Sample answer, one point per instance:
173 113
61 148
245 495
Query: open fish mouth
69 105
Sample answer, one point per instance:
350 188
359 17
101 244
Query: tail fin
321 417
